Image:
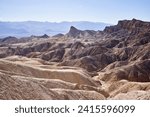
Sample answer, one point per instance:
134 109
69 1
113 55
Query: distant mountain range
28 28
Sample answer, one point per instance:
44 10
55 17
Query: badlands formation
94 65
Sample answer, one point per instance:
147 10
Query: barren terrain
94 65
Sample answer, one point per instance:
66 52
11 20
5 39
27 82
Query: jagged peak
73 29
73 32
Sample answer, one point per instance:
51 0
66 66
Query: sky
108 11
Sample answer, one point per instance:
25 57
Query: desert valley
79 65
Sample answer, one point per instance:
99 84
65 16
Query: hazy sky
109 11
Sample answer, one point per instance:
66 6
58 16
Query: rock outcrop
76 33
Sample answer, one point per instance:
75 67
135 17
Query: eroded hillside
109 64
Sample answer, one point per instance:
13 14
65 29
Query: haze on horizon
108 11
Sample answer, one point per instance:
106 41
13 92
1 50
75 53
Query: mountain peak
72 28
76 33
73 32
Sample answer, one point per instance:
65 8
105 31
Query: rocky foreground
97 65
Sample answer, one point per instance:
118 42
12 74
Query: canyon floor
81 65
